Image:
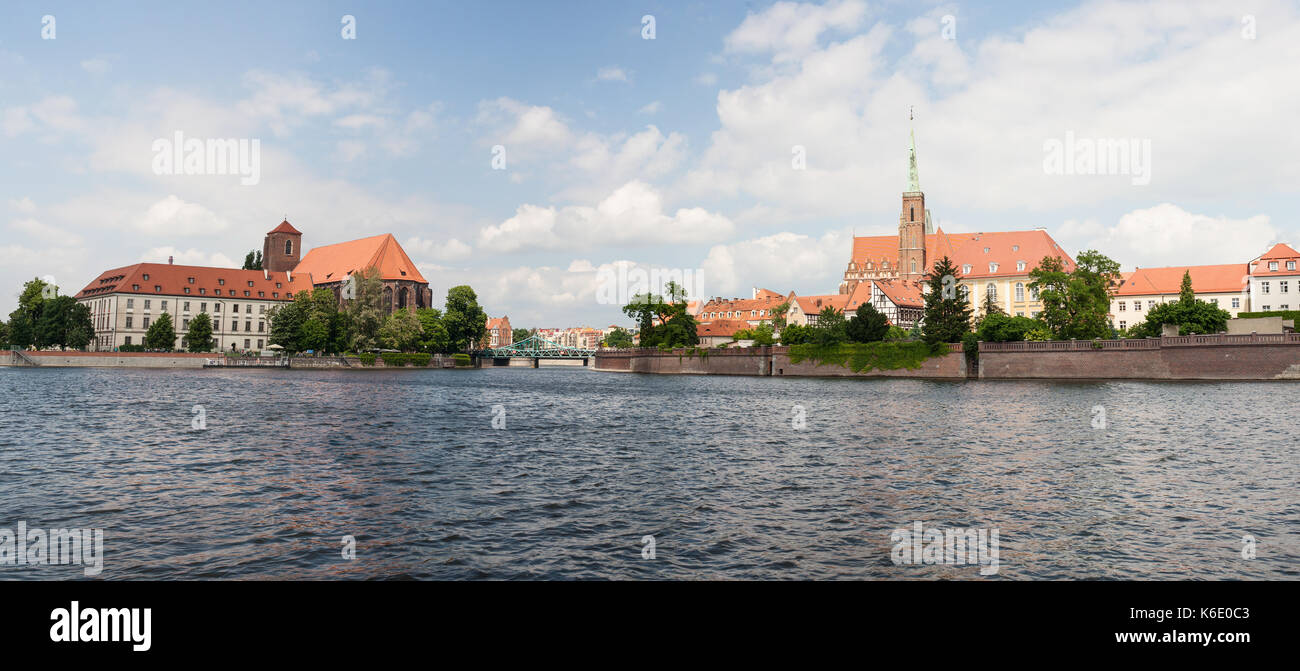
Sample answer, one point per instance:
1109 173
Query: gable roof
721 327
1277 253
1005 249
811 305
173 280
1225 278
902 293
1280 251
333 263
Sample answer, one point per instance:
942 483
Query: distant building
990 265
720 331
1143 289
805 309
332 265
498 333
754 310
1275 280
125 301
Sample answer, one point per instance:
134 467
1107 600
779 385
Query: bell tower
912 222
282 249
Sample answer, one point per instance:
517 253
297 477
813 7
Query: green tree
433 333
947 308
991 306
366 311
794 334
161 334
286 326
1185 293
24 322
465 321
199 338
1192 317
867 325
1076 304
998 327
4 333
763 334
21 333
519 334
779 315
401 331
314 335
80 330
253 261
831 328
618 338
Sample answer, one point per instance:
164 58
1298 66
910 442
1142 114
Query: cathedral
890 270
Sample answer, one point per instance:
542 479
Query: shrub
420 359
367 358
1285 314
394 359
461 359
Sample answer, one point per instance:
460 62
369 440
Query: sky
533 150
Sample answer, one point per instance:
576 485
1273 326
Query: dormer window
965 269
1290 265
135 287
250 283
157 289
1015 248
277 285
1020 266
221 282
146 276
993 267
1272 265
986 250
191 280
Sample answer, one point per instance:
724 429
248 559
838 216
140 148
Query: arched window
288 247
911 215
1020 291
913 265
991 291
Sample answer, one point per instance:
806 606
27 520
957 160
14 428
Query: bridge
535 348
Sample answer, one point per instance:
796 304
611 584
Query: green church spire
913 181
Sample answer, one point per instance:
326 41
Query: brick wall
1178 358
773 361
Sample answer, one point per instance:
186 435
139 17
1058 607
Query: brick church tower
282 249
912 224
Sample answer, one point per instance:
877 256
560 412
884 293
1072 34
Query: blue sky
671 153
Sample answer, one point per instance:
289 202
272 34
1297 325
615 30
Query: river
562 473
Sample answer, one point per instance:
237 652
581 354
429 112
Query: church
889 271
331 265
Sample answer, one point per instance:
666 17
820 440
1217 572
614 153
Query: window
246 293
261 294
1137 306
164 306
216 307
190 279
288 248
259 344
1284 306
146 321
185 324
1122 305
261 327
993 267
262 311
186 307
128 338
991 291
234 325
1034 314
203 292
157 288
234 307
965 269
1015 248
1020 314
203 307
911 216
1267 308
1272 265
221 282
128 322
1263 287
1236 302
248 326
1123 324
246 345
1214 301
146 303
1290 265
913 265
1020 292
1020 266
146 277
187 290
1151 305
1033 294
277 286
130 303
1281 287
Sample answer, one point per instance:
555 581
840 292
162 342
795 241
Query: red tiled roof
812 305
497 322
767 293
285 227
333 263
1279 253
1224 278
1005 249
173 280
901 293
721 327
761 306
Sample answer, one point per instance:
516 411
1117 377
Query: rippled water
588 463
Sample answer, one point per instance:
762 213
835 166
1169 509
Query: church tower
912 223
282 249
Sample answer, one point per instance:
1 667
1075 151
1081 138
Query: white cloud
49 234
96 66
173 216
188 257
788 30
441 250
651 108
521 127
633 213
781 262
706 79
612 74
1167 235
24 205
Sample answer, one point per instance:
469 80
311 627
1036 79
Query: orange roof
1005 249
1279 253
901 293
1224 278
812 305
285 227
498 322
767 293
861 294
165 279
721 327
333 263
761 306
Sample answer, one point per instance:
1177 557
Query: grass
862 357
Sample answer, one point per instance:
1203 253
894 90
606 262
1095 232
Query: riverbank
1203 357
31 359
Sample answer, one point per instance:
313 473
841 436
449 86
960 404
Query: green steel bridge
535 348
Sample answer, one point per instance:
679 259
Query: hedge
1285 314
461 359
862 357
401 359
367 358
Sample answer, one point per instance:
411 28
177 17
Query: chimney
169 260
288 275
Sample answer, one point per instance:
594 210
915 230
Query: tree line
44 319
